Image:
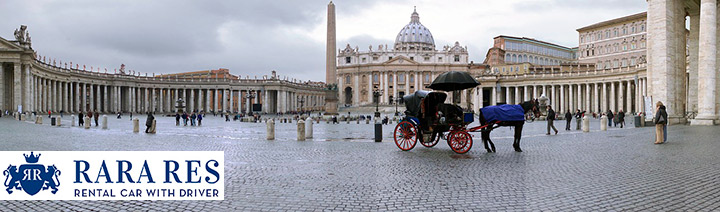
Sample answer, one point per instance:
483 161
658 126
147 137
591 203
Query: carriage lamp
250 95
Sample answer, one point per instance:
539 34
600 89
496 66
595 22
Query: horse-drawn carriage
428 118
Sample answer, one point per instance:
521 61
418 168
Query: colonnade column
518 100
493 101
707 63
526 94
588 106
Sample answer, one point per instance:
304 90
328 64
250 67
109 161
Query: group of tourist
660 120
91 116
191 117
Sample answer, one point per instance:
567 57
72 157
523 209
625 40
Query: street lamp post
301 101
249 96
377 93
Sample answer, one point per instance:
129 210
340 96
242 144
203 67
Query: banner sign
113 175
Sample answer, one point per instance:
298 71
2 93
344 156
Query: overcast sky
254 37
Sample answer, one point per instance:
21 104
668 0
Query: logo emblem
31 177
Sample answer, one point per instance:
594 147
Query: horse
527 106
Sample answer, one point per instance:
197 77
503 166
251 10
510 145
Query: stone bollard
59 121
270 129
23 117
104 122
586 124
348 121
603 123
73 120
308 128
38 120
87 122
301 130
136 125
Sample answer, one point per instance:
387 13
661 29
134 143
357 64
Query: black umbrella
453 81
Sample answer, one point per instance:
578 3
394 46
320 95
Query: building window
401 78
427 58
624 63
624 47
457 58
439 59
375 58
633 46
363 60
412 78
427 78
389 58
632 61
390 79
347 59
642 28
376 78
347 79
412 58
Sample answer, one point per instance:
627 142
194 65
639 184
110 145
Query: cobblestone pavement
341 169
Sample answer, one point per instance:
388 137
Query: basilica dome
414 36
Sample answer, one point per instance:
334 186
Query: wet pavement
342 169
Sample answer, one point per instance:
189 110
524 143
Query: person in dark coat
568 118
660 123
81 119
177 119
199 118
610 117
621 118
185 118
192 119
550 119
97 115
148 122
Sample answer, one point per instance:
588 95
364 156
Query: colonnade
38 87
593 97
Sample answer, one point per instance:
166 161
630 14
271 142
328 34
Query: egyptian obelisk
331 95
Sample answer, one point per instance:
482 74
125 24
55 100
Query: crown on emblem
31 158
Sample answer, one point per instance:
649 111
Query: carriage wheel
433 140
460 142
406 135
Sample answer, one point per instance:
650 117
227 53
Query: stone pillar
571 98
628 97
217 100
2 88
78 93
481 101
535 92
620 97
666 69
613 100
597 98
588 106
493 100
106 100
17 87
518 100
526 94
507 95
192 100
693 44
707 64
562 99
604 99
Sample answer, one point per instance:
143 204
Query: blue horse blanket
503 113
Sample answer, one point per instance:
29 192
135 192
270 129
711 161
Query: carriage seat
453 114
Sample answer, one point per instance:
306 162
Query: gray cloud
250 37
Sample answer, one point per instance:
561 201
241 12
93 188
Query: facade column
613 99
481 103
707 64
78 92
192 100
105 101
628 97
518 100
507 95
571 97
562 98
597 98
554 99
588 105
216 96
493 100
620 97
535 92
526 93
17 87
604 98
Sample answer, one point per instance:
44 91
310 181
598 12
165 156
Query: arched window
347 79
390 79
412 78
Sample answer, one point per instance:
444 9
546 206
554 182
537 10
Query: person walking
660 123
568 118
610 117
130 116
621 118
177 119
192 119
81 119
200 117
148 122
550 119
185 118
97 115
49 113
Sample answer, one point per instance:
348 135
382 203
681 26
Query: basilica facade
410 64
